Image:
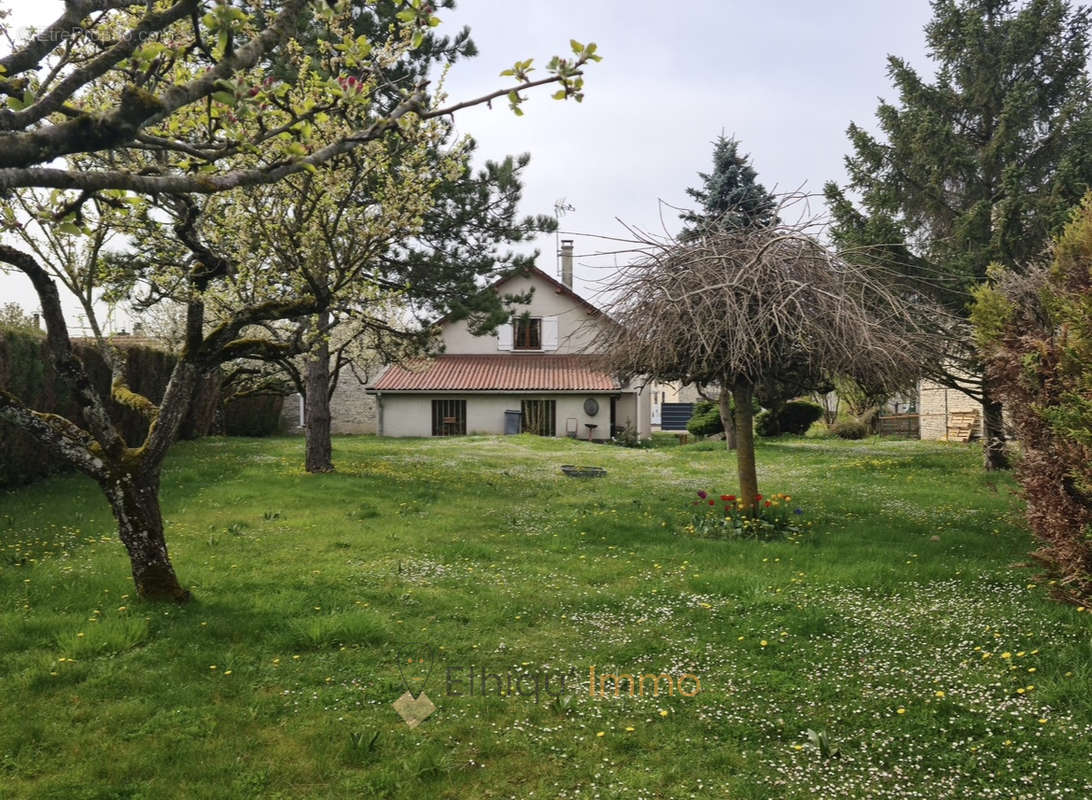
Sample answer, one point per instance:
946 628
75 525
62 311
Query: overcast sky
785 77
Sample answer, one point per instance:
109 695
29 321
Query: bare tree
748 309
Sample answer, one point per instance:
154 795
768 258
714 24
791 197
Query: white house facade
538 373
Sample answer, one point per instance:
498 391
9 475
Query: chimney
567 262
138 329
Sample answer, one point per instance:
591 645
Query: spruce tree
730 196
979 164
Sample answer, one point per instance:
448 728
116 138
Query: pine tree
731 196
980 164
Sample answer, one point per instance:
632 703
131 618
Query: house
539 373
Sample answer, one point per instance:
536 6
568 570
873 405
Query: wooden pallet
962 426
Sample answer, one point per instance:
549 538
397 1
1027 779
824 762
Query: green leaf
224 97
576 46
405 16
69 227
560 94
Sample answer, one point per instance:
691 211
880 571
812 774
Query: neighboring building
674 400
947 414
352 410
539 374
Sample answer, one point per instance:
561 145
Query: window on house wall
539 417
448 417
527 333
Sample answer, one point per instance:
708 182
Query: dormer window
527 333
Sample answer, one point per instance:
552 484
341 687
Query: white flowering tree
134 104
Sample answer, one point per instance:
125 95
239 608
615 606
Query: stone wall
351 410
936 403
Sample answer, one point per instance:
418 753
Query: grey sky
785 77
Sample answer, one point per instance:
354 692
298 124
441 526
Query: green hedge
795 417
705 419
253 415
26 371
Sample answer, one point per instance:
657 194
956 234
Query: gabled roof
503 372
555 284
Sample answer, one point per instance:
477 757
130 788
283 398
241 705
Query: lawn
905 628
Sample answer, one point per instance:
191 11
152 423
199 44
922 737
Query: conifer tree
979 164
730 196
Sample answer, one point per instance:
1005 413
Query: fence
907 426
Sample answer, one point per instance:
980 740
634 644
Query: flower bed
727 517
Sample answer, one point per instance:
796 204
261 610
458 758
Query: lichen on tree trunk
134 499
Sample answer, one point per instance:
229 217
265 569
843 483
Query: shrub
705 421
794 417
1035 331
850 429
627 436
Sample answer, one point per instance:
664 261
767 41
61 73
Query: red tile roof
503 372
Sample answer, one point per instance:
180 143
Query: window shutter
549 333
504 336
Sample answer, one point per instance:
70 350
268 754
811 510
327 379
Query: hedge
794 417
26 371
253 415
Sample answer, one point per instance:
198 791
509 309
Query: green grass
277 681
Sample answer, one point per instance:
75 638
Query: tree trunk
993 431
317 410
134 499
727 419
742 395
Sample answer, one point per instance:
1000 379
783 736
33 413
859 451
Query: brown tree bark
994 456
134 499
727 419
742 395
317 407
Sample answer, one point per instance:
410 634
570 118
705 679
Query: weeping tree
745 308
729 197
